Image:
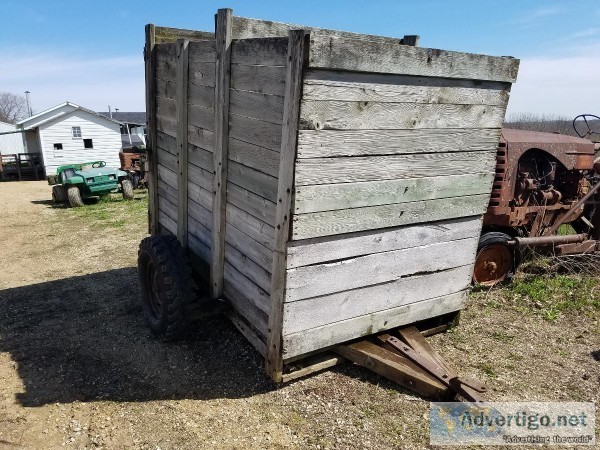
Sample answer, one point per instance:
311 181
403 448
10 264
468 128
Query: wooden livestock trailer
326 185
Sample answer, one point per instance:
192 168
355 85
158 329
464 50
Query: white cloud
91 82
565 86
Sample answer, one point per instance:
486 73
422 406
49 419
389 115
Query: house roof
135 118
38 119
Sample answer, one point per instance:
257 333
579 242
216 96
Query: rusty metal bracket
460 385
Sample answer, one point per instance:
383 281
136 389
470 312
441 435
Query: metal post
29 111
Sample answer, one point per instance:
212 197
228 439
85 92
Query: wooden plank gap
182 140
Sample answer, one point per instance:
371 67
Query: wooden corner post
182 140
222 76
150 66
297 55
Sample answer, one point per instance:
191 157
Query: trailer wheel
127 189
74 197
166 284
496 261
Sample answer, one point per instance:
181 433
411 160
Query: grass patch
112 211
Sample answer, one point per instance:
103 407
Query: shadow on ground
83 338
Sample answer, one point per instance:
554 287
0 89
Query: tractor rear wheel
166 283
127 189
59 194
74 197
496 261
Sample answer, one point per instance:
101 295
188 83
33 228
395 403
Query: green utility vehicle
75 182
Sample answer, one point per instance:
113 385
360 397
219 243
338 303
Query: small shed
329 185
69 133
11 141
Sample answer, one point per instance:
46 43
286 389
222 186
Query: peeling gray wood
369 56
318 311
327 223
251 203
253 180
265 107
221 128
250 155
339 115
339 276
331 248
329 197
260 51
331 143
250 247
297 48
263 79
359 168
296 344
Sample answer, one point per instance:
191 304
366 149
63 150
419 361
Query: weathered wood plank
321 337
371 217
253 156
201 95
317 363
339 115
253 180
168 34
265 107
168 176
329 197
170 209
249 268
264 79
199 231
152 126
252 292
165 88
370 56
202 73
200 195
200 157
375 168
248 246
166 107
166 143
260 51
201 138
201 251
166 191
330 277
331 248
246 308
201 177
297 46
167 222
166 51
201 117
166 125
258 230
167 159
166 67
332 143
182 141
263 134
242 325
202 51
364 87
201 215
253 204
319 311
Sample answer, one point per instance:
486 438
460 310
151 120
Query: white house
10 142
69 133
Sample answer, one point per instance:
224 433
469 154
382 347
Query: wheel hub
492 265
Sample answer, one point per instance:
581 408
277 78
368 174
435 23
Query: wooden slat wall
255 116
392 175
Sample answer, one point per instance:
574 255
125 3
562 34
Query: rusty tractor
542 182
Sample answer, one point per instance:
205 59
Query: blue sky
90 52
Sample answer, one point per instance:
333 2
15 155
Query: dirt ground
78 368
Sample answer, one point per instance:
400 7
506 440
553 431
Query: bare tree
12 107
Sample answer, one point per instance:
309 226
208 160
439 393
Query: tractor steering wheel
588 131
98 164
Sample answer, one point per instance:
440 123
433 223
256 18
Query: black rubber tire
59 194
166 284
135 180
127 189
74 197
491 238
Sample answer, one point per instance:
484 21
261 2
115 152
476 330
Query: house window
76 132
58 147
87 143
